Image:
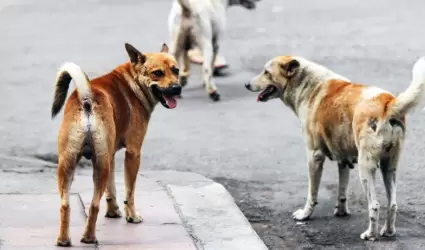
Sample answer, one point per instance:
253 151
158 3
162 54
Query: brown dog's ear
164 48
290 67
134 54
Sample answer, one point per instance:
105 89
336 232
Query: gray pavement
181 211
255 150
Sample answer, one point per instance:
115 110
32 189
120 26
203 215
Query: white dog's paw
388 232
369 235
301 214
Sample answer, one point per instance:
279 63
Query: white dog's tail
186 11
414 94
66 73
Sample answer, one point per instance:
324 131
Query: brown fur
121 104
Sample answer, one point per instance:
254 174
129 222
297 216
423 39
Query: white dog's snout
253 85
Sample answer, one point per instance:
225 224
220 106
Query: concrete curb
208 211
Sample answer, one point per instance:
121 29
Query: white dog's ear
135 55
290 67
164 48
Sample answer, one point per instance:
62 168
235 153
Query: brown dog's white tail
414 94
66 73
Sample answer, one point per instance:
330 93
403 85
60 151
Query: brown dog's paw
113 214
63 242
136 219
89 240
215 96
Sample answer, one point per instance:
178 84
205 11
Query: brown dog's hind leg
132 164
112 208
66 169
101 167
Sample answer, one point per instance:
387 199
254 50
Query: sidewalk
181 211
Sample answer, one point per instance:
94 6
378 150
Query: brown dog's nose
176 89
173 90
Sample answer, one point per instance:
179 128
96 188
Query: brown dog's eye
158 73
175 70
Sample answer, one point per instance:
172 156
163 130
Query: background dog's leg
208 68
112 208
184 75
178 47
388 169
132 164
101 168
66 169
315 168
344 178
367 168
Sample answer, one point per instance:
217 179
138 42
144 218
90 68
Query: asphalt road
254 149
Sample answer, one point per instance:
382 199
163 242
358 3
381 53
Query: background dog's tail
67 72
186 11
414 95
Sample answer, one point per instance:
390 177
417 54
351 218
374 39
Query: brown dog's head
274 78
159 71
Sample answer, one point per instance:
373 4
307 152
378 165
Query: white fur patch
88 122
268 66
372 91
419 70
79 77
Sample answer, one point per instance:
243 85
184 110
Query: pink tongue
171 101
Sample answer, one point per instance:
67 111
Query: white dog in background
200 23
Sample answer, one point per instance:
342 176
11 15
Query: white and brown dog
345 122
201 24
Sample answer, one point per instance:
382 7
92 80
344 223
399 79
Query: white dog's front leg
367 168
315 168
341 208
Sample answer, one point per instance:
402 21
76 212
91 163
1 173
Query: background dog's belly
337 143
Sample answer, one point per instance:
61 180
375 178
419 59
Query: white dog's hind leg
341 208
315 168
367 168
208 67
184 75
388 169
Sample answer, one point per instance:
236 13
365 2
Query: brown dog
345 122
103 116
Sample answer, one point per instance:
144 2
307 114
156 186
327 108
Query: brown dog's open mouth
267 93
170 101
167 97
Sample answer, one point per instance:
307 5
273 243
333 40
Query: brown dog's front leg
132 164
112 208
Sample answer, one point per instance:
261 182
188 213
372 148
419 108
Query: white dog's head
273 80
